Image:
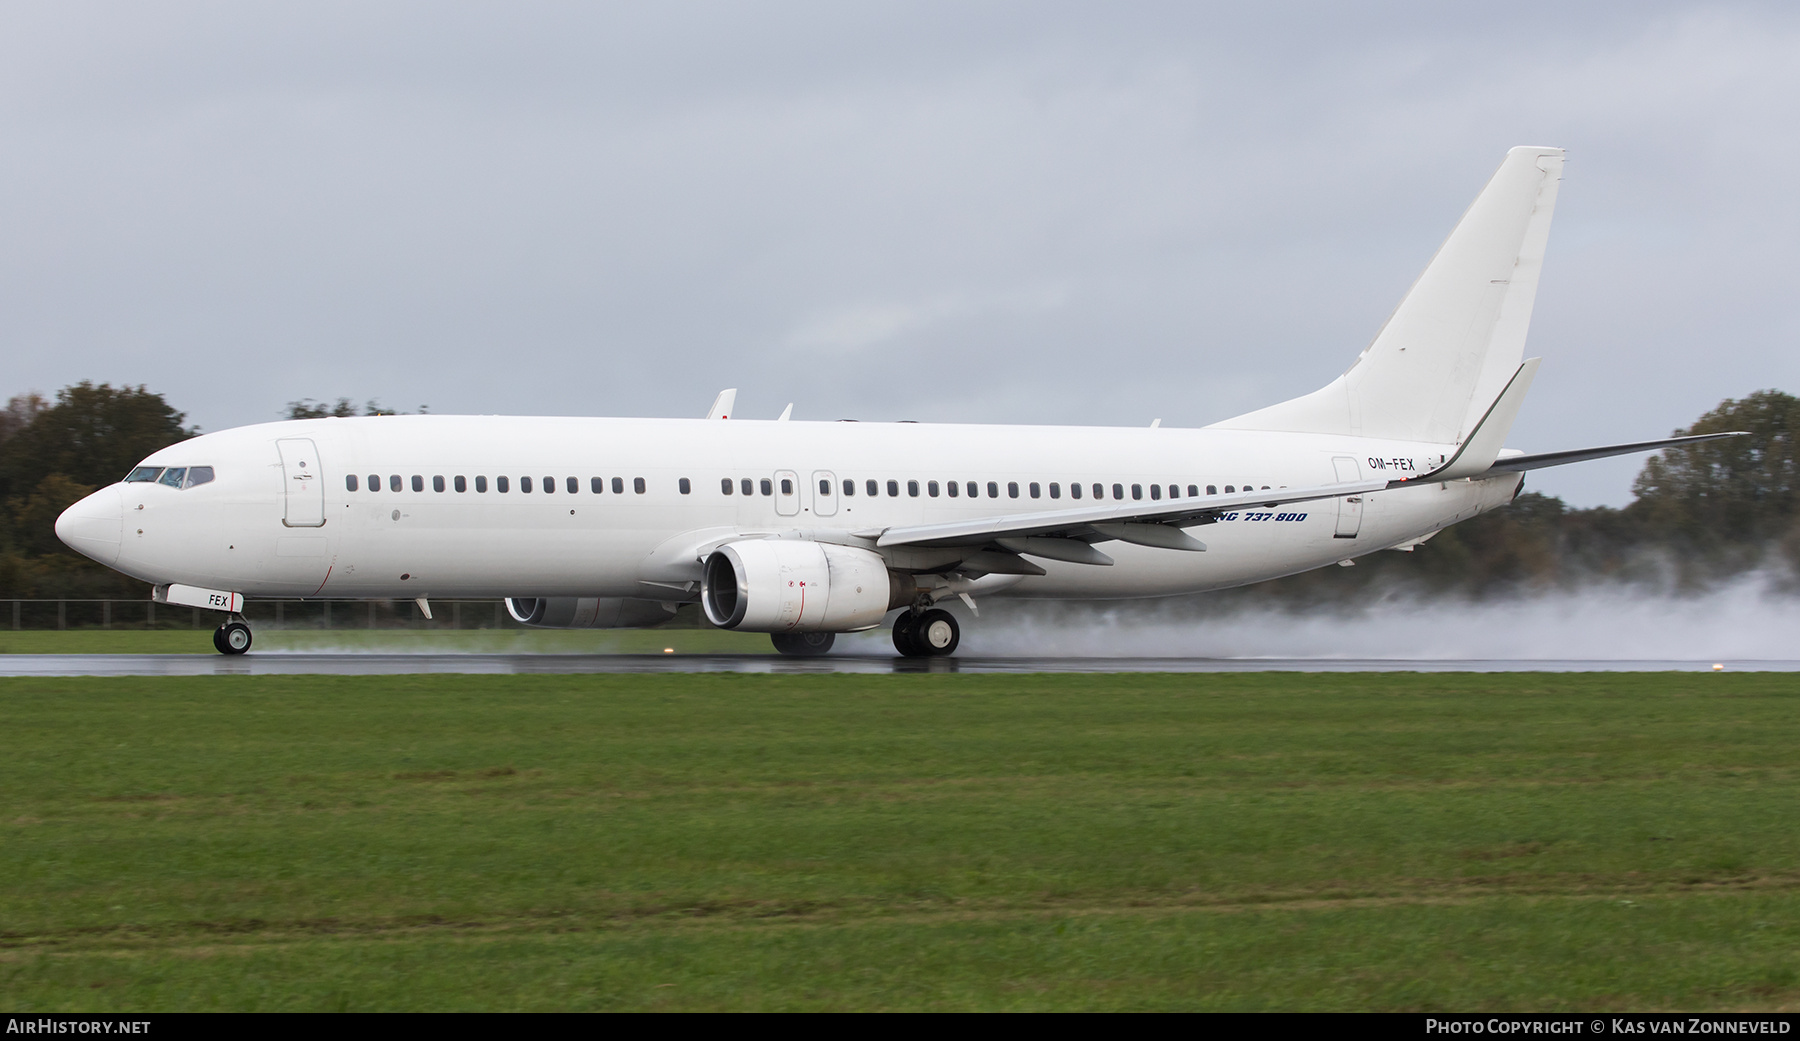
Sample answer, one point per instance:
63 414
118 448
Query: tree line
1699 515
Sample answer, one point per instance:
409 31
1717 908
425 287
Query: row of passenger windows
973 489
599 485
751 486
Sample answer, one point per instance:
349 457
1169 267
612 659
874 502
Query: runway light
1718 668
671 650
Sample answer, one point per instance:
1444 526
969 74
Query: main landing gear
803 645
933 634
232 638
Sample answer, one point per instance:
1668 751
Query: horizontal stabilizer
1521 463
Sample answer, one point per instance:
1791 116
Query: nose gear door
1349 518
303 485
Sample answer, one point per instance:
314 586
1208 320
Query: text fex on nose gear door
304 496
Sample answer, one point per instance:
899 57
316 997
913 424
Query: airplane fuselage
485 506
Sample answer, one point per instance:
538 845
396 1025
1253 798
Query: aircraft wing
1146 523
1521 463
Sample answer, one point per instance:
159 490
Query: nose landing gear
232 638
933 634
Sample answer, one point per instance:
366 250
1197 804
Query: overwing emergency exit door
303 486
825 502
787 493
1349 518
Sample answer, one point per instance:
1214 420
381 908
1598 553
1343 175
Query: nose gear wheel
232 638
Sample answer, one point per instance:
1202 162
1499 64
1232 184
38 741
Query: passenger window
912 489
437 483
199 475
931 489
951 487
849 486
824 488
893 489
549 485
1211 489
618 486
462 483
683 486
1055 490
871 487
597 485
525 484
1034 490
143 473
1012 489
1075 490
1230 488
1099 491
1265 487
637 485
350 482
787 485
393 482
418 483
993 489
571 485
724 485
1137 491
481 484
1118 491
768 486
374 482
499 484
971 489
1155 491
172 476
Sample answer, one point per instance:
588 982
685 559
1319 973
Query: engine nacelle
790 586
587 612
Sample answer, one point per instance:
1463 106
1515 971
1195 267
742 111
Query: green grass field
1247 841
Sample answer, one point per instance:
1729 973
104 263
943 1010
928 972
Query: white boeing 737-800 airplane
804 530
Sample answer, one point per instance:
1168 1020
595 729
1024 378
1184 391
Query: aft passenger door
303 485
1349 518
787 493
825 502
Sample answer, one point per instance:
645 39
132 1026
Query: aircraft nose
92 526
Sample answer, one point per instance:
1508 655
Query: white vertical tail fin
1458 338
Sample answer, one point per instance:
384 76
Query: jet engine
787 585
587 612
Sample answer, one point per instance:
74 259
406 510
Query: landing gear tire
933 634
803 645
903 636
937 634
232 638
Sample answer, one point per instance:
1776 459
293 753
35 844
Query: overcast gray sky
987 212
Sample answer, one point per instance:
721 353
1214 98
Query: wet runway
379 664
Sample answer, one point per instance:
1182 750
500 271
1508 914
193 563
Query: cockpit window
199 475
144 473
173 475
